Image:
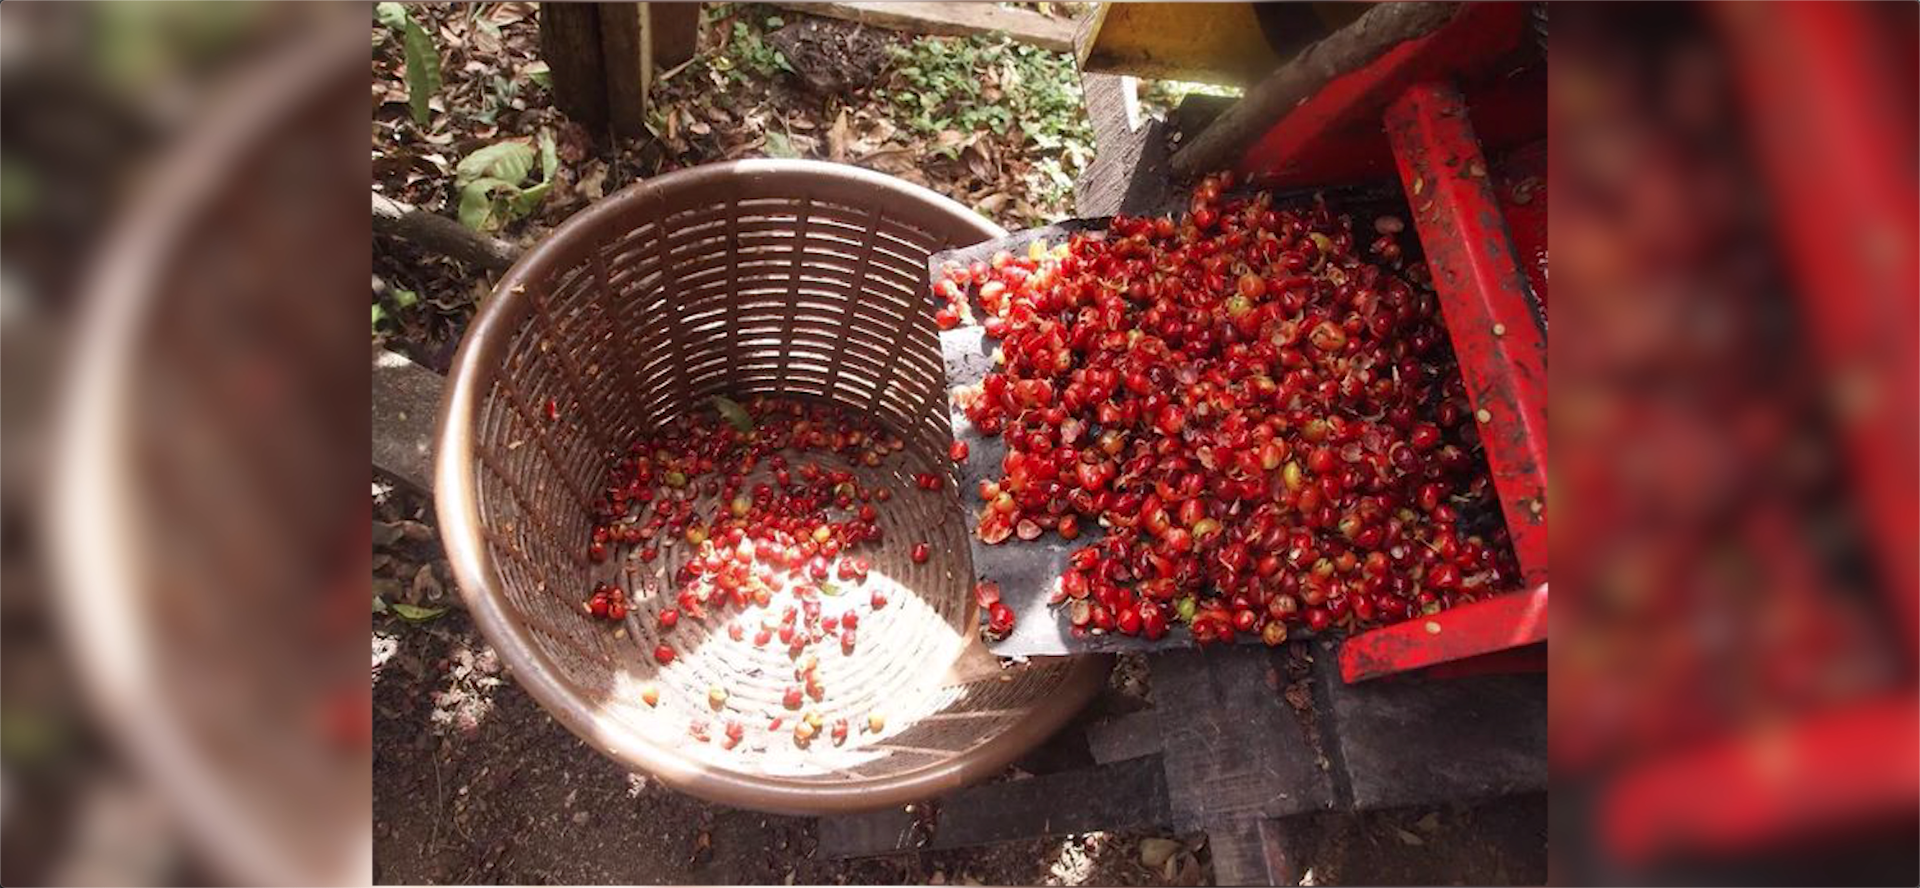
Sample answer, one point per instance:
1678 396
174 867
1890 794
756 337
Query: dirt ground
474 783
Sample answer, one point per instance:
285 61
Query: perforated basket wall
790 278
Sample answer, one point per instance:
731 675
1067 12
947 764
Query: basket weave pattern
795 279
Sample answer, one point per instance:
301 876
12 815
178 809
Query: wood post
626 55
604 56
570 44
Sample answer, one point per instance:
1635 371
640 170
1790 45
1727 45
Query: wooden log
1384 26
570 45
441 234
952 20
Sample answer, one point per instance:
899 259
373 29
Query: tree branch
441 235
1381 28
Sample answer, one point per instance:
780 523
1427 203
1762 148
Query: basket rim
482 588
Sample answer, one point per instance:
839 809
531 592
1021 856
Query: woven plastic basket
791 278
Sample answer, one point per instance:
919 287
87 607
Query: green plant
944 84
491 181
423 60
398 299
1161 97
747 54
500 95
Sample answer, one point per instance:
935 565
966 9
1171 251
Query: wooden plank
406 408
1120 796
1251 852
1134 735
951 20
570 45
674 29
1234 749
1409 740
626 53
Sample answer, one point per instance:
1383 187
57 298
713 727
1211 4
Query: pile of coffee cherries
786 544
1255 408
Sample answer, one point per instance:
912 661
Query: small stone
1155 851
1433 628
580 818
1483 415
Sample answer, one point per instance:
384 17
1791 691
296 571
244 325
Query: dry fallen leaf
992 203
508 13
593 182
837 138
889 160
979 158
425 587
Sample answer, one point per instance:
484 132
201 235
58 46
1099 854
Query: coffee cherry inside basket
1258 410
769 529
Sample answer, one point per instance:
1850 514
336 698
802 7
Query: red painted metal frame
1828 93
1832 112
1520 179
1482 627
1502 347
1333 138
1829 772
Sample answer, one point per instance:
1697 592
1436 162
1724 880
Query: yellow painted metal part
1220 43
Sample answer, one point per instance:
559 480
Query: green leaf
774 21
539 73
780 61
508 161
831 589
393 15
549 155
779 146
423 70
733 413
404 298
529 200
414 613
379 314
476 203
379 605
